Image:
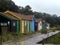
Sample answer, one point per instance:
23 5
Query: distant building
38 24
45 25
48 26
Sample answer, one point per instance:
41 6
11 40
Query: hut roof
16 15
9 16
20 16
27 17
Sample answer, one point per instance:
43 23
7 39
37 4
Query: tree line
54 20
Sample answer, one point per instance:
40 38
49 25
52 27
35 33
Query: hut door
0 30
4 30
25 27
36 26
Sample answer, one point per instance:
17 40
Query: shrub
58 28
43 31
53 29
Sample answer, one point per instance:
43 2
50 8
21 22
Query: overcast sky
48 6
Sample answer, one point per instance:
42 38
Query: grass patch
13 37
44 31
52 40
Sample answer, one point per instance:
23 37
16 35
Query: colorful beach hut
38 24
8 23
26 22
19 17
29 24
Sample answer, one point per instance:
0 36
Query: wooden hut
19 17
29 23
26 23
8 23
38 24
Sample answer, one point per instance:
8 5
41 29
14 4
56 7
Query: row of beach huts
16 22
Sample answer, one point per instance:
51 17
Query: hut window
13 23
3 24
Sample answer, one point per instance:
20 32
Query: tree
8 5
52 19
38 15
26 10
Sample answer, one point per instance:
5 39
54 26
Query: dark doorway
36 26
4 24
0 30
